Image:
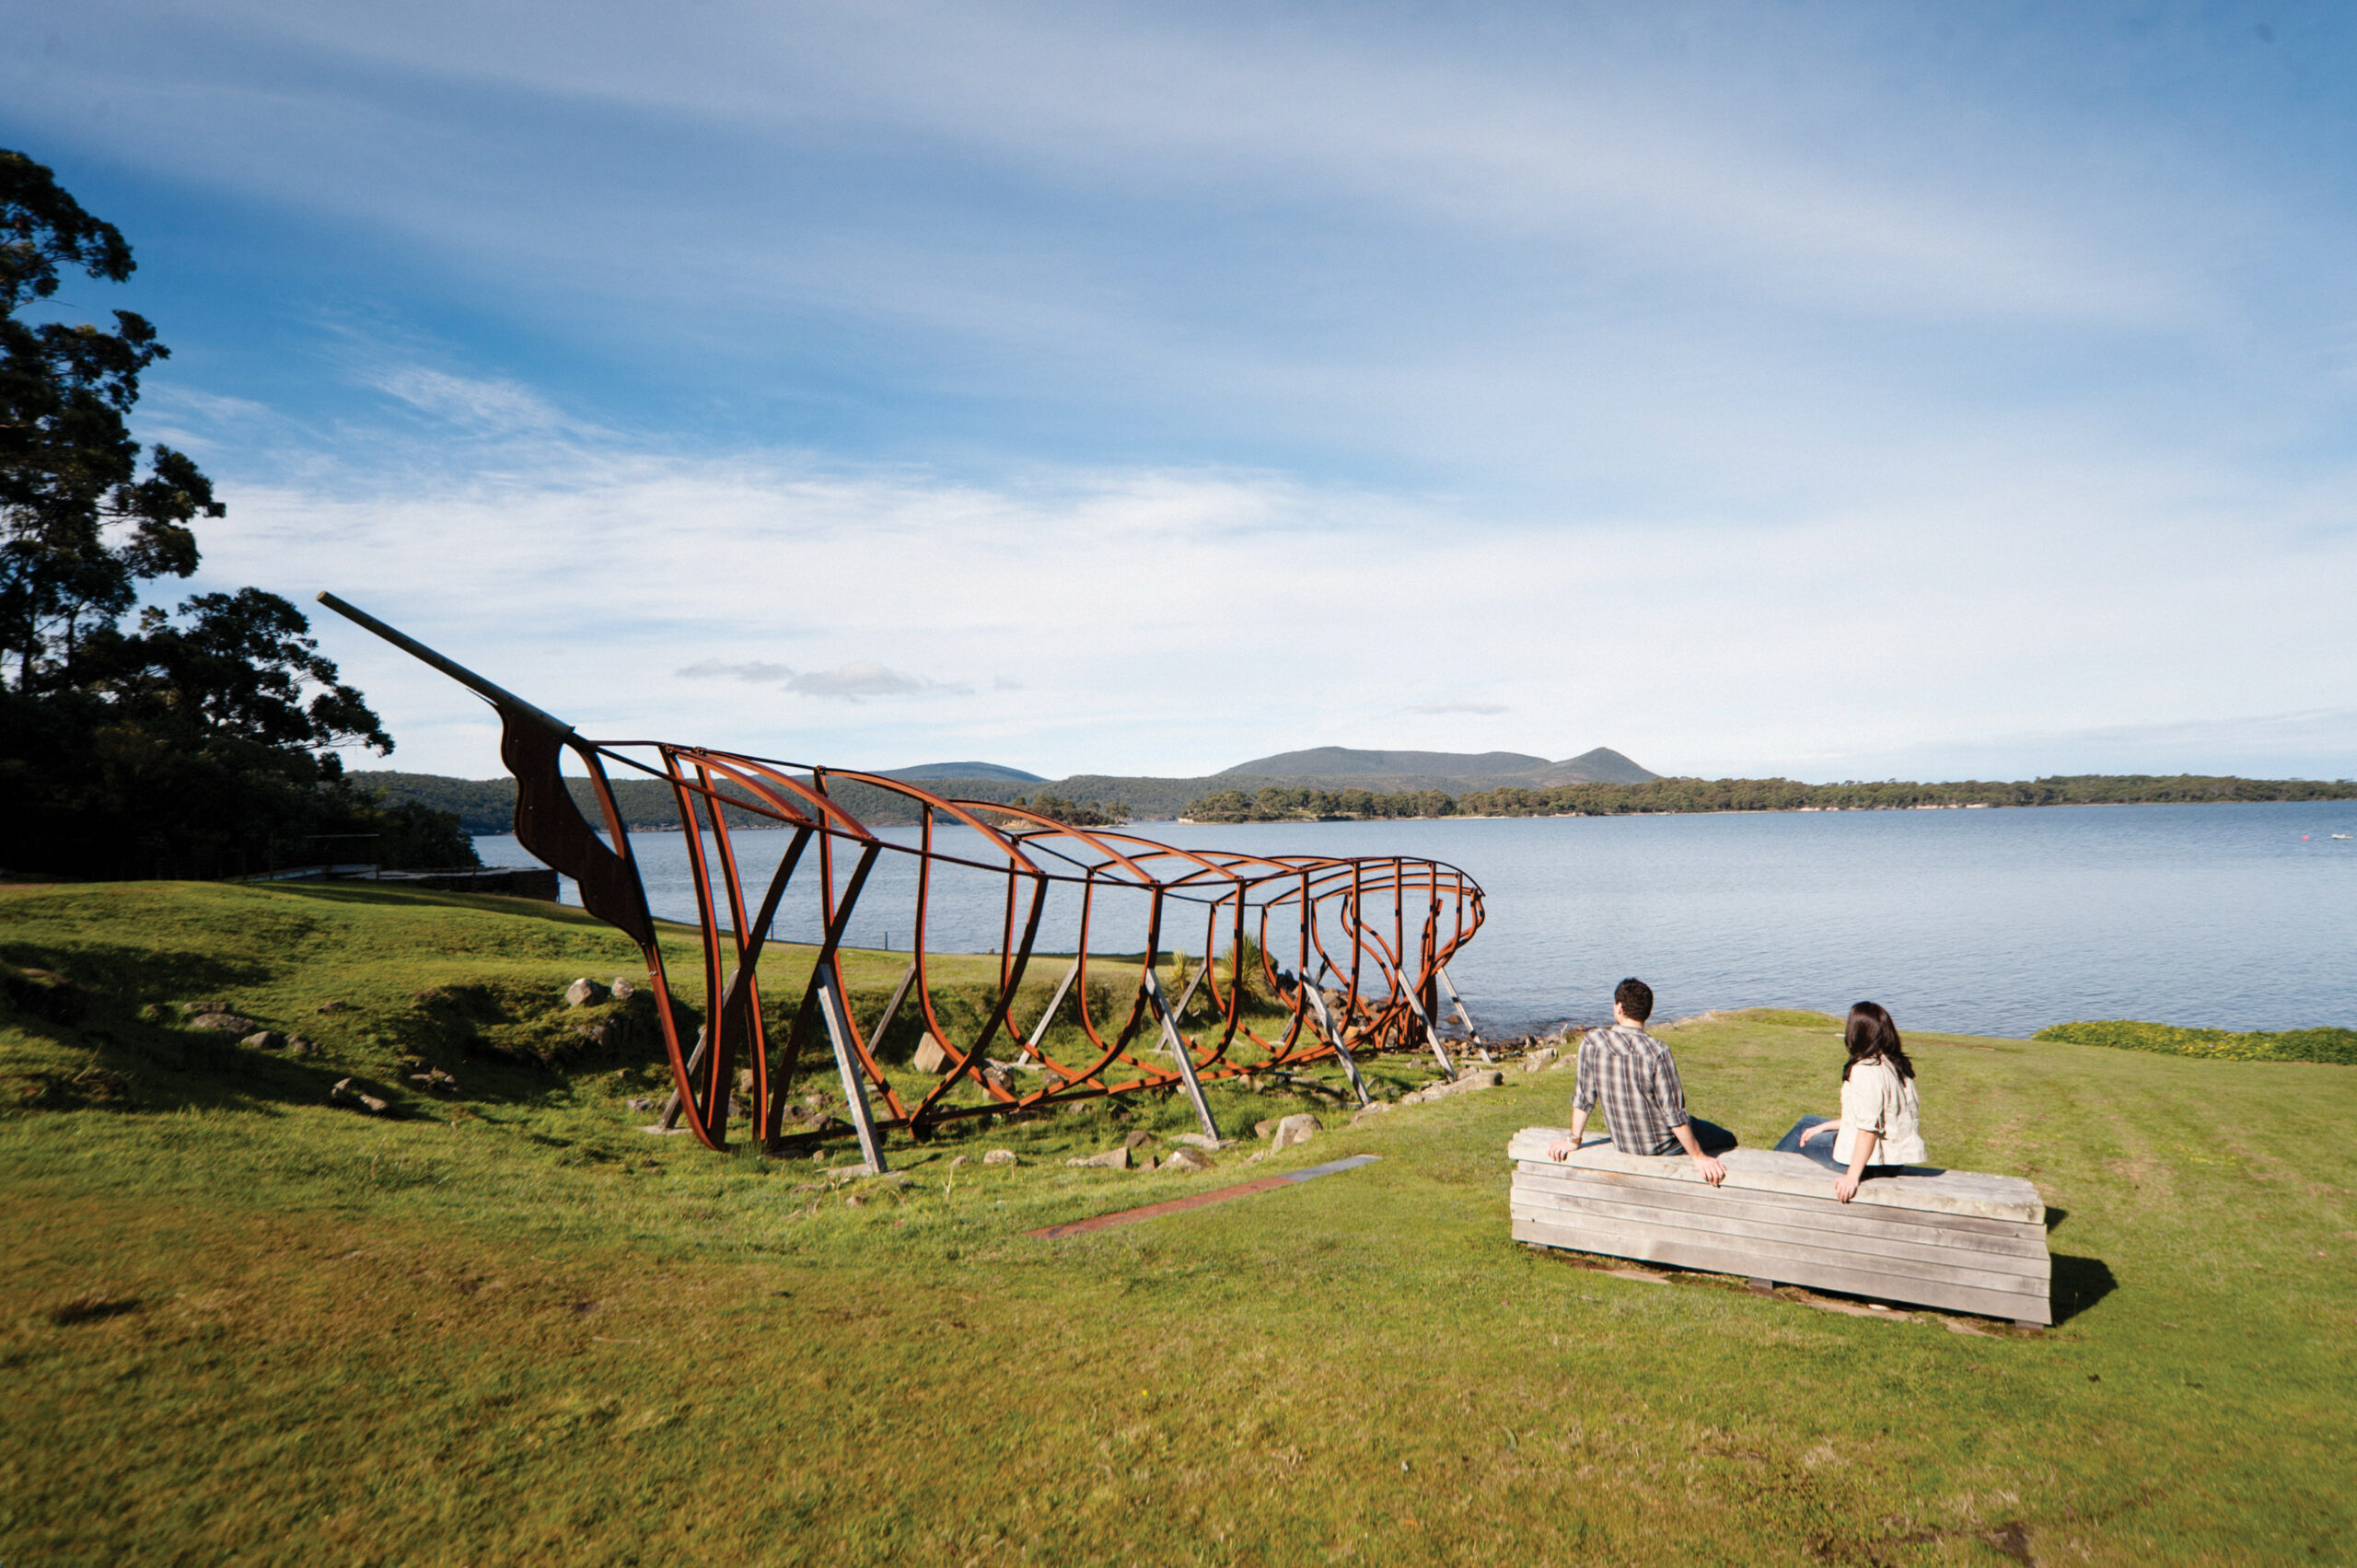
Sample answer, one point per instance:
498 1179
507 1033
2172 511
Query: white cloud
1169 622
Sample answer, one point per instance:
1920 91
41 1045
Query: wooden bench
1955 1239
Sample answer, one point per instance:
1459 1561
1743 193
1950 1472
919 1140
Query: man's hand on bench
1707 1168
1560 1151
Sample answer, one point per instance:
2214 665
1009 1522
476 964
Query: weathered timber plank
1959 1193
1839 1224
1656 1248
1898 1256
1790 1256
1668 1185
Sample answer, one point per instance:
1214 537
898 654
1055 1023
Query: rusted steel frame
733 1007
1010 980
769 1104
826 973
707 1113
838 918
736 1007
1113 1050
965 1063
1190 1067
708 785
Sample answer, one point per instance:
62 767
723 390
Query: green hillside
505 1326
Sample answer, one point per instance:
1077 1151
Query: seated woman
1876 1132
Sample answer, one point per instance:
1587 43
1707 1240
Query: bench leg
1765 1288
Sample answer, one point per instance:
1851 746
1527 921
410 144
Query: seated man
1645 1105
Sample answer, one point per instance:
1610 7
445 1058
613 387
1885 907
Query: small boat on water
2341 835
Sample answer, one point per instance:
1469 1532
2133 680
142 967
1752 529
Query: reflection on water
1994 922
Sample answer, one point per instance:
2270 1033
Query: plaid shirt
1638 1082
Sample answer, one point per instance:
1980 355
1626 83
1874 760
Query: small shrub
2328 1045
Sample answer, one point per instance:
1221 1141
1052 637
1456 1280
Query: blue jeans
1818 1149
1821 1151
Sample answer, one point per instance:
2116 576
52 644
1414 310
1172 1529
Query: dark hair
1871 1035
1635 998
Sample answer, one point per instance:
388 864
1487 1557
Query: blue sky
1837 391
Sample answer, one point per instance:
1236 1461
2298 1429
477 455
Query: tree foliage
204 745
1283 804
81 527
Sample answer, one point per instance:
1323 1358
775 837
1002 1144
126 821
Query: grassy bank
241 1324
2337 1045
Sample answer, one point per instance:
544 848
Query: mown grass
241 1325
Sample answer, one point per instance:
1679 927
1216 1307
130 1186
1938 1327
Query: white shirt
1874 1099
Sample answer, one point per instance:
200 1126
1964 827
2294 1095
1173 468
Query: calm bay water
1996 922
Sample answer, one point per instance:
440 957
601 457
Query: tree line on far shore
1685 795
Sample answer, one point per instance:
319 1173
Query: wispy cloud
850 682
495 407
1457 708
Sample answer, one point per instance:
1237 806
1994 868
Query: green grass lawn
241 1325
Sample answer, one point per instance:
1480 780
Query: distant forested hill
488 805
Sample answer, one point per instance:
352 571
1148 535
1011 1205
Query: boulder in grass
931 1057
1115 1158
1202 1141
297 1045
1137 1140
264 1040
45 993
1001 1156
348 1092
223 1024
1466 1083
583 992
622 990
1373 1108
1294 1130
1541 1060
1185 1159
1262 1128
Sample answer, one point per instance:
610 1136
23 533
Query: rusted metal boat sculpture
1368 939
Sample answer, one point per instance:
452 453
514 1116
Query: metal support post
1185 1058
1334 1037
670 1117
831 1007
1430 1034
1031 1046
892 1008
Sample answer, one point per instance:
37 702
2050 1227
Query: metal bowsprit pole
1186 1058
